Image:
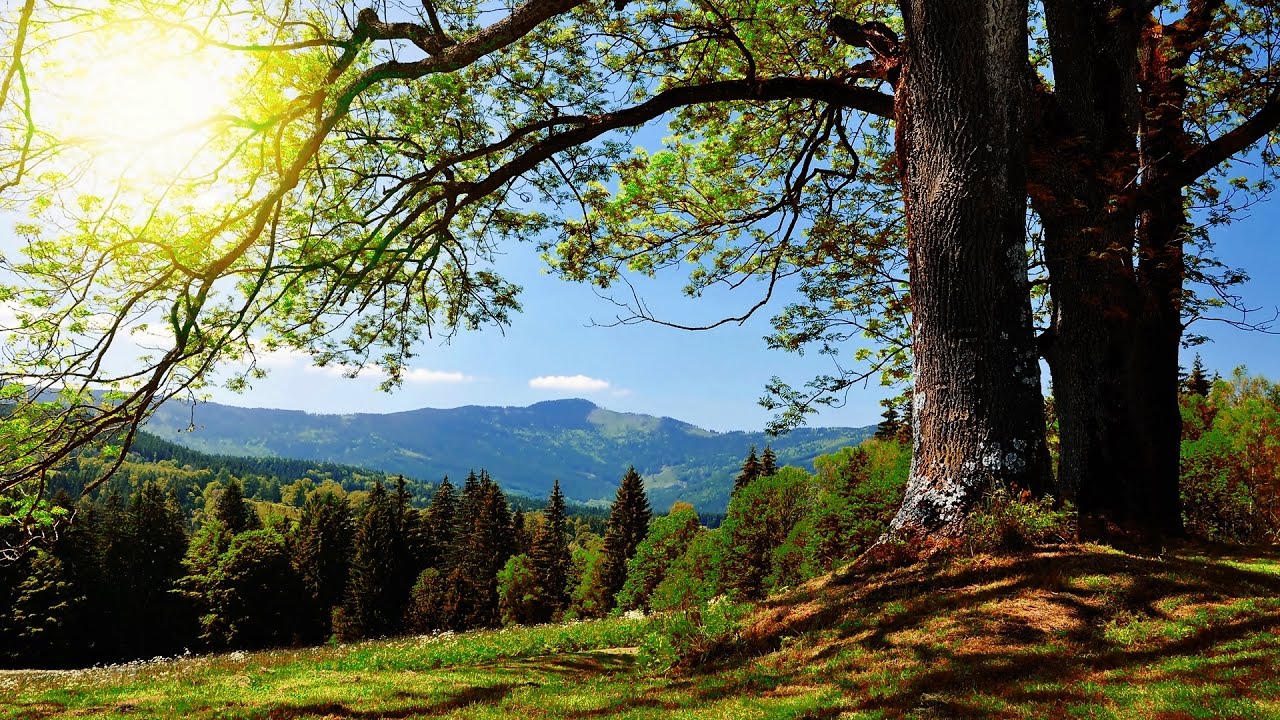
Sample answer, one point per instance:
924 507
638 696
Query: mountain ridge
586 446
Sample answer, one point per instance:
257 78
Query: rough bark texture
979 416
1113 349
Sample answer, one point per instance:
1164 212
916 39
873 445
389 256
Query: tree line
128 579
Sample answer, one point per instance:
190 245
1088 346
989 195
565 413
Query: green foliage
433 602
550 559
1231 460
42 616
521 599
441 523
627 527
144 562
231 510
760 518
1014 521
321 548
696 577
750 471
587 599
687 638
371 608
859 490
252 596
668 539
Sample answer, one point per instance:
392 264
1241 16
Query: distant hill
524 448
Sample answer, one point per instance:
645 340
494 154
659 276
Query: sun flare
143 101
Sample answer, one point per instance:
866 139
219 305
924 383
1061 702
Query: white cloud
569 383
423 375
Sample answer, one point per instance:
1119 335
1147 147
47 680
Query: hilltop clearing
1077 632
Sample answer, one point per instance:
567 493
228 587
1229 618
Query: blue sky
708 378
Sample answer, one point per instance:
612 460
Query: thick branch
1224 147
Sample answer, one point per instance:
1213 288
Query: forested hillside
584 446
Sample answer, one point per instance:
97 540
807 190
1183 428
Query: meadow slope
1083 632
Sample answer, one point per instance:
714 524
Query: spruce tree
233 512
483 550
441 530
551 560
750 471
768 462
891 424
371 608
410 536
1196 382
150 565
321 553
627 526
521 542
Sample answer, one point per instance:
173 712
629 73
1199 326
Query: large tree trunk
1114 342
979 415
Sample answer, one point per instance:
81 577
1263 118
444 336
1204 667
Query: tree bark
1113 350
978 410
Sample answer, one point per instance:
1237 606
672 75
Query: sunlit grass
1071 634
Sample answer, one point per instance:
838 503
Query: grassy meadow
1076 632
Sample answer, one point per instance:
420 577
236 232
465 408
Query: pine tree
483 550
441 519
233 512
410 537
550 559
750 471
1196 383
321 553
891 424
149 569
521 543
627 526
370 608
768 462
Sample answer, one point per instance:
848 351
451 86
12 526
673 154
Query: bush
1013 520
860 489
668 539
693 636
695 578
519 596
758 522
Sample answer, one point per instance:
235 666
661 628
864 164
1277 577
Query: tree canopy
348 200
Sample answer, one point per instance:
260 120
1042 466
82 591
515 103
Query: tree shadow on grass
467 697
955 639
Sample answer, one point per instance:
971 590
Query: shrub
1013 520
695 578
519 596
667 541
691 637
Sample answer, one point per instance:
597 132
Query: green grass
1072 633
